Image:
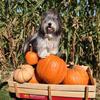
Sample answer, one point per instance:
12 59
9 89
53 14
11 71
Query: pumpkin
31 58
51 69
24 73
34 78
76 75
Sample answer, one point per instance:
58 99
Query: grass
4 95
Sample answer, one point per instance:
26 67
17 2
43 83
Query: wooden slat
16 89
86 93
53 93
72 94
49 93
54 87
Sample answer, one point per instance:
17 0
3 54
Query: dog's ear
54 10
43 15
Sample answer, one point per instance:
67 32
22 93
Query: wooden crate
73 91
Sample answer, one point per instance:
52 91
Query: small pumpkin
51 69
76 75
34 78
31 57
24 73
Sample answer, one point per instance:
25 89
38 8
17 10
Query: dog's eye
44 21
53 18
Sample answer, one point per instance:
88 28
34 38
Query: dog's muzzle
50 27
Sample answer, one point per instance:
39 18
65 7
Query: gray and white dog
46 40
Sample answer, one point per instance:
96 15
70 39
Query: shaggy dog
46 40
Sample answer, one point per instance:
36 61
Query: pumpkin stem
30 46
71 65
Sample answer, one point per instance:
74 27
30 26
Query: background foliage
81 31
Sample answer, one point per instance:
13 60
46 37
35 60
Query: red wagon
53 91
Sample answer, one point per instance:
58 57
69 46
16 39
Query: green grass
4 95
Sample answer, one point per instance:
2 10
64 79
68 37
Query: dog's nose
49 24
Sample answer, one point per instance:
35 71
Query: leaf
2 24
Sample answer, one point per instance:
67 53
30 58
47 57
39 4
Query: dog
46 40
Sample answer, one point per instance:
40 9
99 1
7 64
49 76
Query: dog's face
50 24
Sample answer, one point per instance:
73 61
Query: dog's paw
43 54
53 51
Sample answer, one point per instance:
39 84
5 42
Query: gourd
23 73
34 78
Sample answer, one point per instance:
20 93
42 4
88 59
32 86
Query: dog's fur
46 41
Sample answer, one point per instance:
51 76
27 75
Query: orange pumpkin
51 69
34 78
24 73
31 58
76 76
